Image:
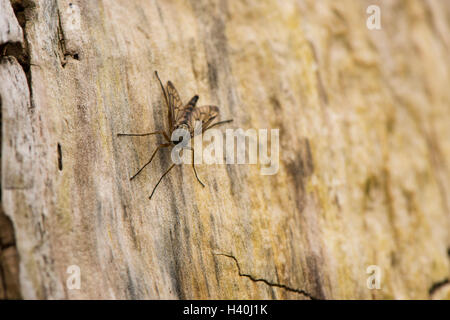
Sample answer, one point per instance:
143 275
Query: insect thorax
184 127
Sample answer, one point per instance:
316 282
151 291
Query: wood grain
364 149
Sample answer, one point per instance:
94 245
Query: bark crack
2 282
9 260
20 50
267 282
62 43
438 285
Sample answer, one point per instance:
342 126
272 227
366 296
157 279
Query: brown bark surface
364 119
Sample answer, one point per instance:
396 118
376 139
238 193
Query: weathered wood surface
364 160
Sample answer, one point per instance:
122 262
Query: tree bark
364 150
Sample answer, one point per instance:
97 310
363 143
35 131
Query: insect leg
165 145
193 166
219 123
170 168
144 134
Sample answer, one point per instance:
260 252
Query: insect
180 117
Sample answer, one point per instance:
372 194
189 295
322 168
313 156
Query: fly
180 116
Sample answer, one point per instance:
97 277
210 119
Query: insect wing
204 115
175 103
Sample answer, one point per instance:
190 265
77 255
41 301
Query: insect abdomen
187 111
193 101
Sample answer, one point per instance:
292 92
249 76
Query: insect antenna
162 87
170 115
